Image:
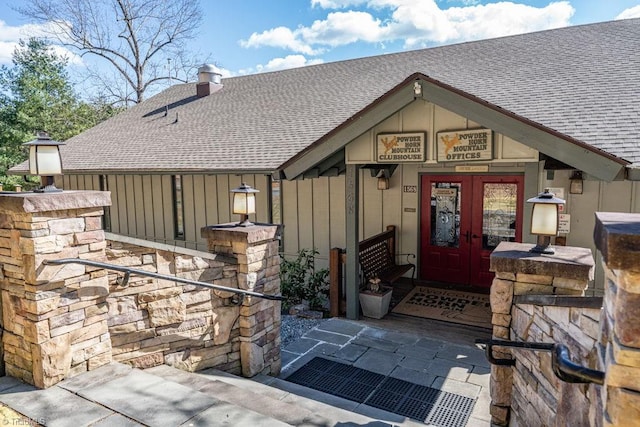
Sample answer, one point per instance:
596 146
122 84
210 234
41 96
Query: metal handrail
128 271
561 363
571 372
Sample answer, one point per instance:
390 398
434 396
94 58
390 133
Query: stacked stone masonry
61 320
617 237
256 250
529 394
54 319
154 321
537 393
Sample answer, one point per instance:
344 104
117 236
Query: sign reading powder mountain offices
465 145
401 147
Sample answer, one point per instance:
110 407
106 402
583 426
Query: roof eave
573 152
154 171
327 146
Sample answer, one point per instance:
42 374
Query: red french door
463 218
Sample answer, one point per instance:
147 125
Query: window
275 202
178 207
106 218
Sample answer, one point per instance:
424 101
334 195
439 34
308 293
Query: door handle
475 236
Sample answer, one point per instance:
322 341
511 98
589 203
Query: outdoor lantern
244 203
545 218
45 161
383 176
383 183
576 183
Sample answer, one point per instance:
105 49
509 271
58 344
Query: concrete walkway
117 395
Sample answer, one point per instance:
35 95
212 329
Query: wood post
335 281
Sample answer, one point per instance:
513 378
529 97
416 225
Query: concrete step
277 399
155 400
117 394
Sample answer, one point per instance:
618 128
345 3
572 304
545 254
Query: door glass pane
498 214
445 214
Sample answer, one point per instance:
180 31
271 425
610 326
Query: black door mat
418 402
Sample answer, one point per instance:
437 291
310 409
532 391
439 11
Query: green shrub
300 281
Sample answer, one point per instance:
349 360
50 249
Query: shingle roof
582 81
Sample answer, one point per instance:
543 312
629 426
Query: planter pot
375 305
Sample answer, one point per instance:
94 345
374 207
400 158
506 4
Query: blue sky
248 36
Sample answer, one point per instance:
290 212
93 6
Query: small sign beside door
564 224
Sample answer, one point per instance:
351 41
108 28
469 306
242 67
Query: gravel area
294 327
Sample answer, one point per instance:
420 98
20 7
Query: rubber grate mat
435 407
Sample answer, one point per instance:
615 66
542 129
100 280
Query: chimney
208 80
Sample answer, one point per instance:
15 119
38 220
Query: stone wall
617 237
54 317
537 393
257 253
154 321
61 320
527 388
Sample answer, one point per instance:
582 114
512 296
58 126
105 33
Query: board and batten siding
597 196
142 206
314 214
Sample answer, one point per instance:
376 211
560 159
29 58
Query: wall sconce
244 203
545 218
383 183
576 180
45 161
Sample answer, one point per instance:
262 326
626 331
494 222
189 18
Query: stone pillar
256 250
520 272
617 237
54 317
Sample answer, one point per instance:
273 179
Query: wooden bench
376 256
378 259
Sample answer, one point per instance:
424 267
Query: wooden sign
465 145
401 147
472 169
564 224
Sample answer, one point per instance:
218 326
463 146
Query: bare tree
136 37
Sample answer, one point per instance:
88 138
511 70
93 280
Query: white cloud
6 50
289 61
505 18
280 37
417 23
10 36
341 28
633 12
336 4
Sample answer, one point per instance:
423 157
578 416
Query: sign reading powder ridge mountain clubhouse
401 147
465 145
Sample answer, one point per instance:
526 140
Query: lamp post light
45 161
244 203
545 219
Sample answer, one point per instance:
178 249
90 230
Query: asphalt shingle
581 81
